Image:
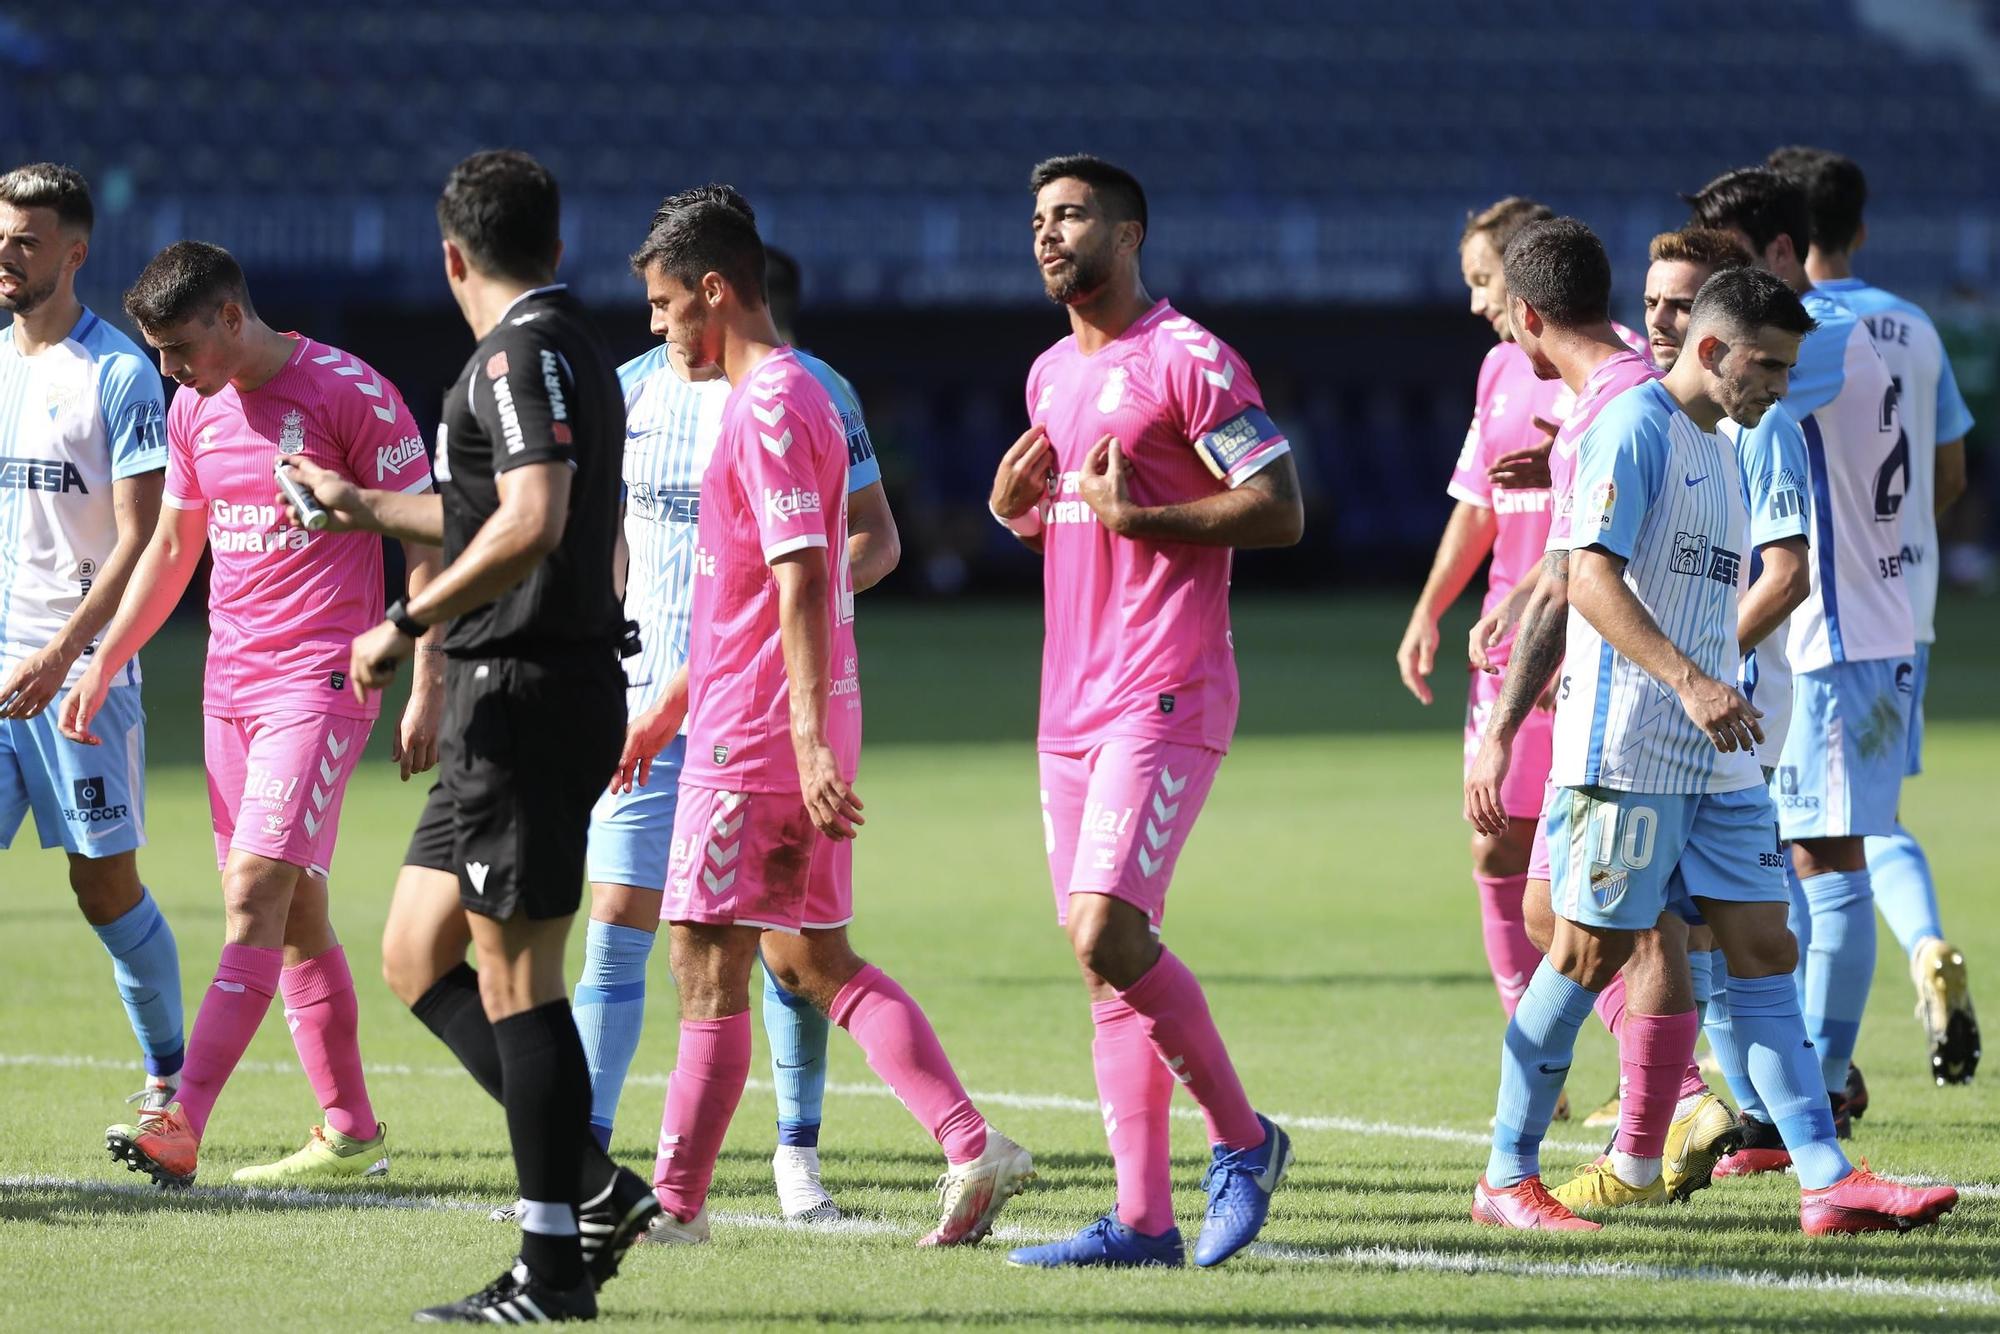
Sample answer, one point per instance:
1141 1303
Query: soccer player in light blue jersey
83 454
672 419
1851 645
1660 803
1917 488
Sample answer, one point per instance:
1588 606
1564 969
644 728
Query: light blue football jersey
1667 497
1933 412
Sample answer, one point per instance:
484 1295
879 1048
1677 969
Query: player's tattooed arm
1264 510
1781 587
1603 598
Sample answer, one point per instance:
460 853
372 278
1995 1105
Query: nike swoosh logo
1551 1069
1695 481
802 1065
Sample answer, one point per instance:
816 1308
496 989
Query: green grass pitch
1324 902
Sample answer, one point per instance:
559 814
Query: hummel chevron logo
1177 322
313 823
723 826
770 416
1223 378
1149 864
1159 838
1110 1120
777 446
1205 351
1172 785
328 357
1164 811
718 885
476 873
337 746
1179 1066
723 853
327 773
766 392
320 797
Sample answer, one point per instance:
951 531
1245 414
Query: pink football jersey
1509 400
1612 377
776 483
1137 632
284 604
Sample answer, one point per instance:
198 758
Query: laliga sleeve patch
1603 505
1228 445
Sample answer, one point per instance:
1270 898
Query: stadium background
1309 162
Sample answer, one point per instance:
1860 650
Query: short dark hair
1712 249
187 280
1124 199
781 287
1501 219
1559 267
51 185
697 231
1836 192
714 193
504 211
1757 202
1747 299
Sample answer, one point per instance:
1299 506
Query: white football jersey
1933 413
1773 462
1667 497
1845 402
74 419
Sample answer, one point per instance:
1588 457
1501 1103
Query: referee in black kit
528 460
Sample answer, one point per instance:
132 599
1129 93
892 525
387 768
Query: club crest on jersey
292 433
1608 885
1113 392
1166 704
721 754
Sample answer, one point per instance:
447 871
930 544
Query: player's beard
1085 276
1740 402
25 299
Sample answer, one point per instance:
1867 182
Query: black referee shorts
527 749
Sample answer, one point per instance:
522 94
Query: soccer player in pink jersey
762 848
1512 413
1149 458
282 732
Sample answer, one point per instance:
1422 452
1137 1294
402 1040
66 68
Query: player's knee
105 889
1537 917
409 971
1502 854
1110 950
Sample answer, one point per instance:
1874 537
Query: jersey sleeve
1617 480
384 448
862 467
777 455
135 416
521 395
183 490
1954 418
1468 476
1220 406
1773 458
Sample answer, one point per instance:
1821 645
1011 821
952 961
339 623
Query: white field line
1397 1258
1026 1102
1030 1102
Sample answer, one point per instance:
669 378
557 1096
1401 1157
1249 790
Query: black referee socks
547 1097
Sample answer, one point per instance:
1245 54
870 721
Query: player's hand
1105 485
414 743
1724 716
1023 476
1487 633
1525 469
832 804
650 733
80 707
33 684
346 510
1483 779
1416 655
372 661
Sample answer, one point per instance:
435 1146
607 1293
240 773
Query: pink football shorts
754 859
1528 768
1116 816
1538 855
276 780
